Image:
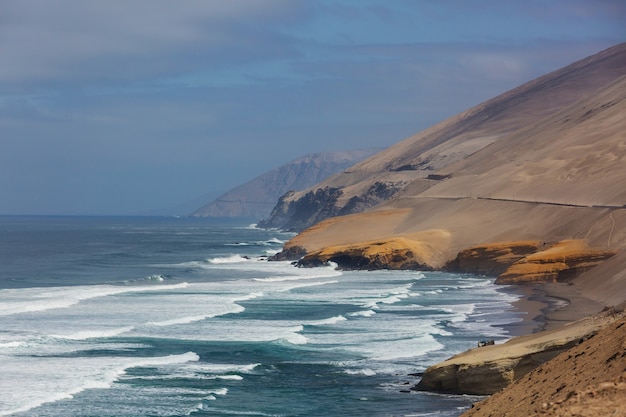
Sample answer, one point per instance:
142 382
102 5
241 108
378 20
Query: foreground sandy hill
589 380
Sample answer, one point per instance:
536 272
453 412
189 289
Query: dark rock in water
293 253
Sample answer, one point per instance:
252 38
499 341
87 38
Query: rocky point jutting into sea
525 187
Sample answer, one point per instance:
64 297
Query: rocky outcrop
395 253
493 259
292 253
295 215
376 194
560 262
486 370
530 261
322 203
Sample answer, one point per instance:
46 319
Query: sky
143 107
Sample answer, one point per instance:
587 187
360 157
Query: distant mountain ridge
256 198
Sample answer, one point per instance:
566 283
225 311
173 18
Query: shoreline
547 306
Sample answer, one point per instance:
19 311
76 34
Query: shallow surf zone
241 336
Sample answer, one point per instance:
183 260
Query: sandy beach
547 306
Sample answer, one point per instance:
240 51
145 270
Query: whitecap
87 373
366 372
233 259
328 321
95 334
365 313
35 299
219 391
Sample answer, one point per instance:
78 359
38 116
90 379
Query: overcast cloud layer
148 106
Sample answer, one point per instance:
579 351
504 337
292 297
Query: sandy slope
559 178
587 380
494 124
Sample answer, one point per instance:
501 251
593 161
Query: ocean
150 316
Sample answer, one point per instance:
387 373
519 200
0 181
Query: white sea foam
10 345
179 320
271 242
221 391
233 259
95 334
228 377
365 313
66 381
391 297
35 299
226 368
295 337
303 274
328 321
250 296
366 372
308 284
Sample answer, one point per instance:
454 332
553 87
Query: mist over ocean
184 317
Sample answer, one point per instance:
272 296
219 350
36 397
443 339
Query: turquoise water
186 317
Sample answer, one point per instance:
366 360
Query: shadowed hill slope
256 198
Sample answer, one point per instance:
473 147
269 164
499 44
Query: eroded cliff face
295 215
395 253
530 261
493 259
319 204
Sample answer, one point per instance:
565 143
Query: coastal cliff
497 150
526 187
530 261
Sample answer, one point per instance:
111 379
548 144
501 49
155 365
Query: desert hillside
556 181
256 198
527 187
499 149
594 384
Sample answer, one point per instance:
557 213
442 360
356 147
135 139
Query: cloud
43 40
106 106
